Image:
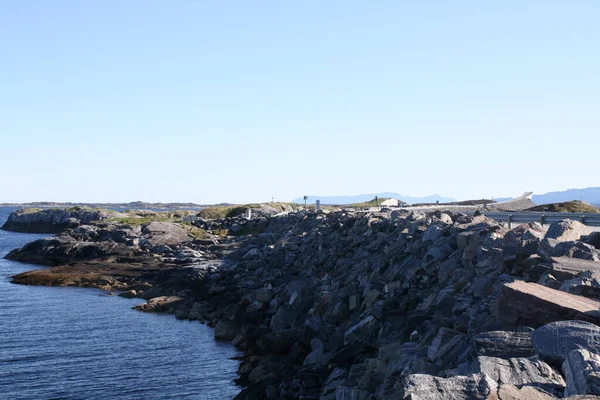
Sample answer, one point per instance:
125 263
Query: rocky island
343 304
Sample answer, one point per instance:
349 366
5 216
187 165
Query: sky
240 101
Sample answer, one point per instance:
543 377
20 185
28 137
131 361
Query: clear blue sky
212 100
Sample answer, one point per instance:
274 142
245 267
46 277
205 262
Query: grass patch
368 204
574 206
141 217
221 232
220 212
135 221
196 232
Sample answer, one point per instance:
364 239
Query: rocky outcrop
52 220
582 372
359 305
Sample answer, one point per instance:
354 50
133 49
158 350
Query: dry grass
574 206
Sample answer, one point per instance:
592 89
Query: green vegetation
31 210
220 212
221 232
141 217
134 221
574 206
368 204
196 232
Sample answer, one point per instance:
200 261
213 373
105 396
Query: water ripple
68 343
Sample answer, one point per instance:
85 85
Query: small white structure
390 203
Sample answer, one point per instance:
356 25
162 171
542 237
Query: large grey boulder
364 331
520 372
586 285
553 342
567 231
164 233
226 330
504 344
592 239
582 372
530 304
564 268
421 386
550 248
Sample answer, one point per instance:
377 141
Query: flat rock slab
535 305
504 344
511 392
564 268
421 386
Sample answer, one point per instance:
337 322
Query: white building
390 203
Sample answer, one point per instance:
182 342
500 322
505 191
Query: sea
76 343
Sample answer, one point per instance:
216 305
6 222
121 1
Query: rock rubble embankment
387 305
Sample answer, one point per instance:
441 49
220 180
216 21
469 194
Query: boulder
335 379
550 248
422 386
283 319
586 285
504 344
582 372
530 304
226 330
264 295
520 372
129 294
278 342
564 268
567 231
447 347
553 342
592 239
164 233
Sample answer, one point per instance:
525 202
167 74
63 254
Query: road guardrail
589 219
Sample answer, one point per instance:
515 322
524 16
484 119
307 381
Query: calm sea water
72 343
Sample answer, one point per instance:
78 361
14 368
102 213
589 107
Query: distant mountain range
366 197
589 195
135 205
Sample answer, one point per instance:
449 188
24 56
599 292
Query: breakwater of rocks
354 305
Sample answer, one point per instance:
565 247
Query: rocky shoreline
358 305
